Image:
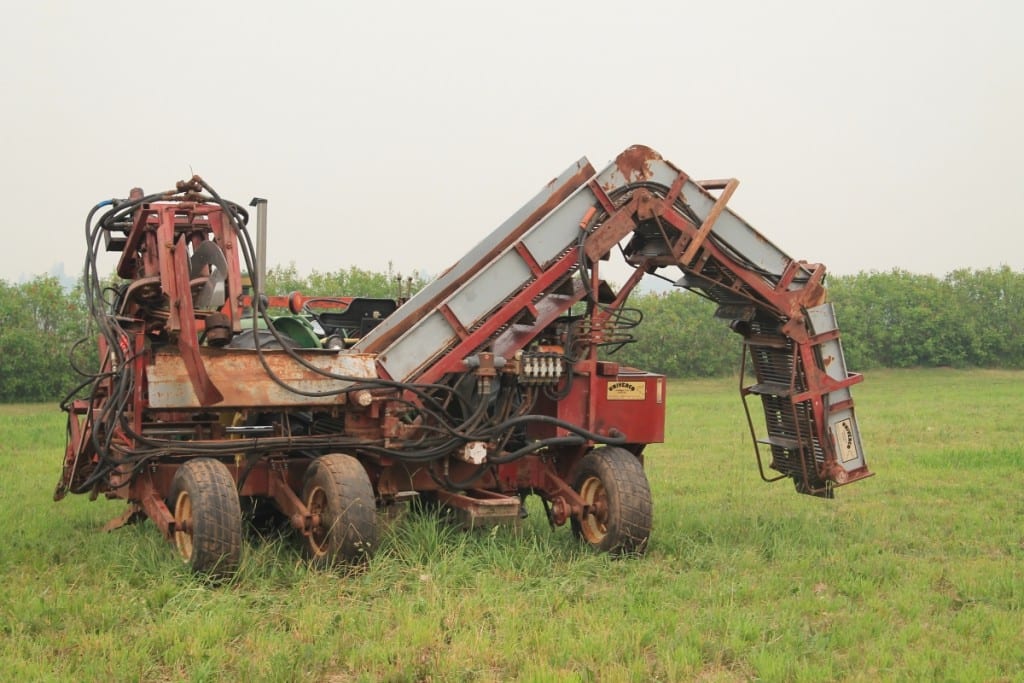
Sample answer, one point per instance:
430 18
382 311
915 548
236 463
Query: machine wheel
338 493
207 517
613 485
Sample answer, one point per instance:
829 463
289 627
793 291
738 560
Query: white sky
866 135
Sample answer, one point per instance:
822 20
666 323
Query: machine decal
627 391
845 441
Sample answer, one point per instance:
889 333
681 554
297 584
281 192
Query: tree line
969 318
894 319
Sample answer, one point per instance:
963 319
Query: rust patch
634 163
244 381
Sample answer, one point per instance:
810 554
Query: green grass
917 573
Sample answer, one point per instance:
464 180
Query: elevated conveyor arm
541 261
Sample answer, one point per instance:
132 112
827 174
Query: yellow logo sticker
627 391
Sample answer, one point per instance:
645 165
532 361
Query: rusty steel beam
709 221
452 361
450 281
245 383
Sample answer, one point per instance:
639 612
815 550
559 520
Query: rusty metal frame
289 503
452 361
817 386
515 234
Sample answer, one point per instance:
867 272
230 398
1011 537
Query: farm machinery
491 383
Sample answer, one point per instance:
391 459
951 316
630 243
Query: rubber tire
204 490
337 488
615 477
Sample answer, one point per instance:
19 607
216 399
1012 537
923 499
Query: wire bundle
445 416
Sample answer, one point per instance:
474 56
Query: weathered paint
243 381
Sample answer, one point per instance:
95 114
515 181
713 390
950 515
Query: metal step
781 378
477 508
769 389
781 442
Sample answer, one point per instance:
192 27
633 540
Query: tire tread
345 480
629 498
216 515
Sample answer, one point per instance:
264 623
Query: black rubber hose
536 446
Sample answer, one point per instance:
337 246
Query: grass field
917 573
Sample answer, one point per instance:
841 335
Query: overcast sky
866 135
